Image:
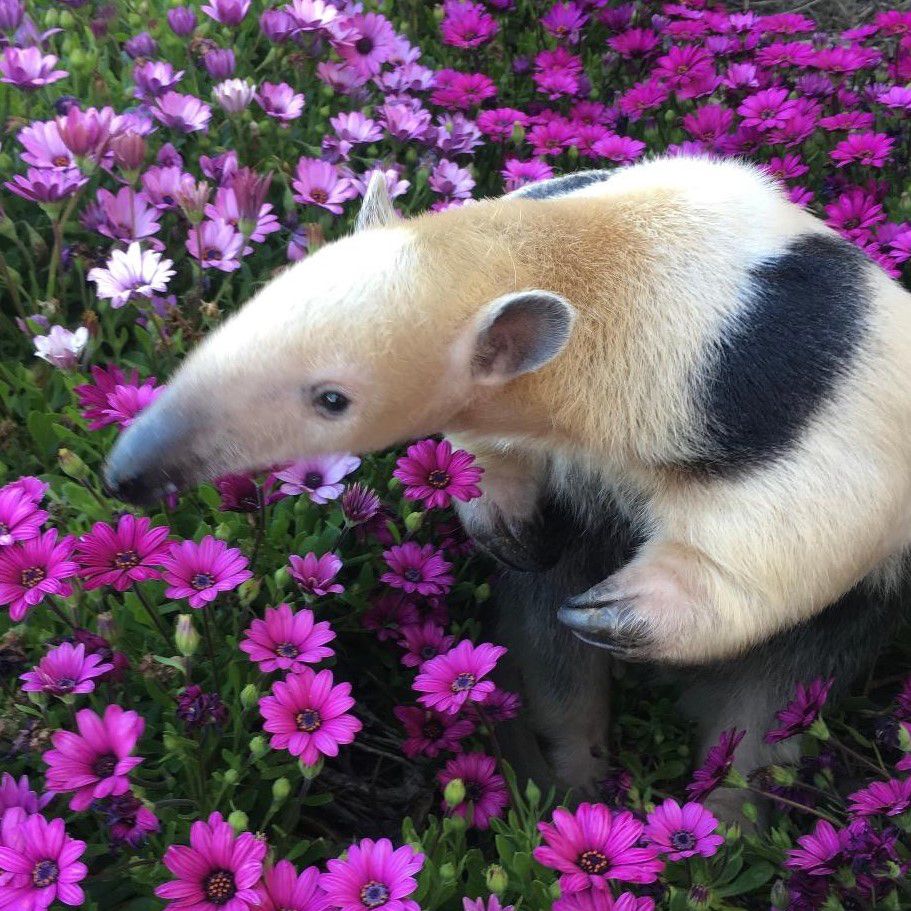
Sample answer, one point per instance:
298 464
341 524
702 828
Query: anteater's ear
376 209
519 333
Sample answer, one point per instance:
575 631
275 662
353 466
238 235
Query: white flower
234 94
61 347
133 272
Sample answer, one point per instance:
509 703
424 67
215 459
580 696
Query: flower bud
259 747
532 793
496 878
282 577
248 695
248 591
454 793
904 737
223 531
482 593
447 872
185 636
72 465
239 821
779 895
818 730
311 771
413 521
231 776
281 788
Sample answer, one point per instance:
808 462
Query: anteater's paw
527 545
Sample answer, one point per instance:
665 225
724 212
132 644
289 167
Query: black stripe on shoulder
560 186
781 356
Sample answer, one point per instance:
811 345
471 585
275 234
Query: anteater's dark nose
141 490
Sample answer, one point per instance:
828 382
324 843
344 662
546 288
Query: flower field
277 692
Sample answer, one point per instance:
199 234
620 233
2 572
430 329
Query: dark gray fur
560 186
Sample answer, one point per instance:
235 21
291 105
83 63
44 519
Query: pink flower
123 556
217 244
423 642
565 21
819 854
314 574
64 670
130 273
717 764
593 845
320 478
802 711
198 572
681 832
127 216
500 705
184 113
318 183
95 762
492 903
766 110
287 641
227 12
449 681
39 864
219 871
634 42
115 398
500 123
368 42
19 794
603 901
280 101
432 472
854 212
46 186
128 819
373 877
413 568
390 613
882 798
284 889
620 149
517 173
307 714
20 517
485 791
429 733
868 149
61 347
43 146
466 24
32 569
27 68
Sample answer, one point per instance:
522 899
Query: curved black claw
614 625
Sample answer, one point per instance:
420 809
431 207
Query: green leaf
752 878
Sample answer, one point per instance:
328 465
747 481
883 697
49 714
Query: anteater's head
397 331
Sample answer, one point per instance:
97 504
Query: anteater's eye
331 402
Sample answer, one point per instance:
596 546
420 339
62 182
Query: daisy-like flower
30 570
423 642
307 715
39 864
313 15
603 901
198 572
20 517
114 397
432 472
126 216
868 149
360 504
314 574
368 42
280 101
802 711
217 244
131 273
218 871
449 681
43 146
466 24
287 641
767 109
128 819
593 846
233 95
500 705
284 889
46 185
319 478
855 212
681 832
27 68
819 854
95 762
389 614
517 173
227 12
184 113
882 798
413 568
565 21
485 790
153 78
33 488
492 903
318 183
717 764
64 670
19 794
373 877
429 733
133 552
61 347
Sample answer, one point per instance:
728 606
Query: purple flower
134 272
466 24
182 21
280 101
404 121
11 12
461 91
234 95
819 854
681 832
277 25
255 223
882 798
64 670
868 149
620 149
43 146
314 574
320 478
318 183
27 68
565 21
802 711
717 764
216 244
161 186
367 42
519 173
141 45
227 12
448 179
153 78
198 709
184 113
313 16
219 63
61 348
126 216
46 186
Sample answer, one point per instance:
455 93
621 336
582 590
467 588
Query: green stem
57 226
210 647
797 806
59 612
154 616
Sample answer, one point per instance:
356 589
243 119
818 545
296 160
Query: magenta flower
593 846
31 569
681 832
218 871
373 877
227 12
32 487
198 572
359 503
413 568
314 574
500 705
133 552
766 110
19 794
466 24
128 819
717 764
217 244
27 68
284 889
848 120
802 711
126 216
517 173
882 798
307 715
868 149
634 42
320 478
642 98
854 213
367 43
565 21
603 901
449 180
184 113
64 670
405 121
95 762
449 681
153 78
318 183
20 517
280 101
485 790
500 123
287 641
819 854
619 149
39 864
115 398
429 733
43 146
46 186
897 97
432 472
423 642
130 273
390 613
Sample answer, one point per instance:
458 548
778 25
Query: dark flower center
462 683
32 576
319 195
593 862
428 652
4 529
211 253
104 765
311 583
412 574
201 581
65 683
287 650
364 45
313 479
308 721
473 790
683 841
439 479
126 559
374 894
45 873
699 893
61 161
219 887
432 730
852 222
168 199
